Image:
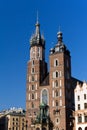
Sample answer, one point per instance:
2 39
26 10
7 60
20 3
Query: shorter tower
81 106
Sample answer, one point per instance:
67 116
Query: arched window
37 128
44 96
56 74
56 83
79 128
32 95
56 103
85 128
43 128
55 62
32 78
32 105
33 87
56 93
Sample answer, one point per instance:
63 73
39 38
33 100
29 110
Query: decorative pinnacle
59 35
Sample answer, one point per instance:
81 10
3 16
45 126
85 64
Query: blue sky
17 24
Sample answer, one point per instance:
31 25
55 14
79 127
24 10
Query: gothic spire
37 27
37 38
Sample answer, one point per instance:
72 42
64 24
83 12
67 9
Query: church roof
37 38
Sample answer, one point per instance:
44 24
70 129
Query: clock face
44 96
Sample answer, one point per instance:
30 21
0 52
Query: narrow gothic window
56 93
85 128
56 103
32 78
32 105
56 83
45 96
55 62
32 62
33 87
32 70
79 128
32 95
56 74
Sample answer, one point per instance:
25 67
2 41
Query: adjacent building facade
13 119
81 106
49 95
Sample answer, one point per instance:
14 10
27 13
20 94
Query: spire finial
59 35
37 17
59 28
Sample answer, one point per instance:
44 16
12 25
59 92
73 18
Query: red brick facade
52 88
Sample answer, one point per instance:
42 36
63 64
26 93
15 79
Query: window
57 120
32 95
32 70
32 78
85 105
85 128
45 96
56 93
78 98
16 119
56 103
79 128
32 105
32 62
38 49
85 118
56 74
78 106
84 96
55 62
56 83
80 119
33 87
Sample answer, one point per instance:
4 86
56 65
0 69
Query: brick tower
36 72
48 94
60 83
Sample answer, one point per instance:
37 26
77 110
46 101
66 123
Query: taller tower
36 72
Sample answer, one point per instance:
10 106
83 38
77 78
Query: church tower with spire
36 72
48 94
